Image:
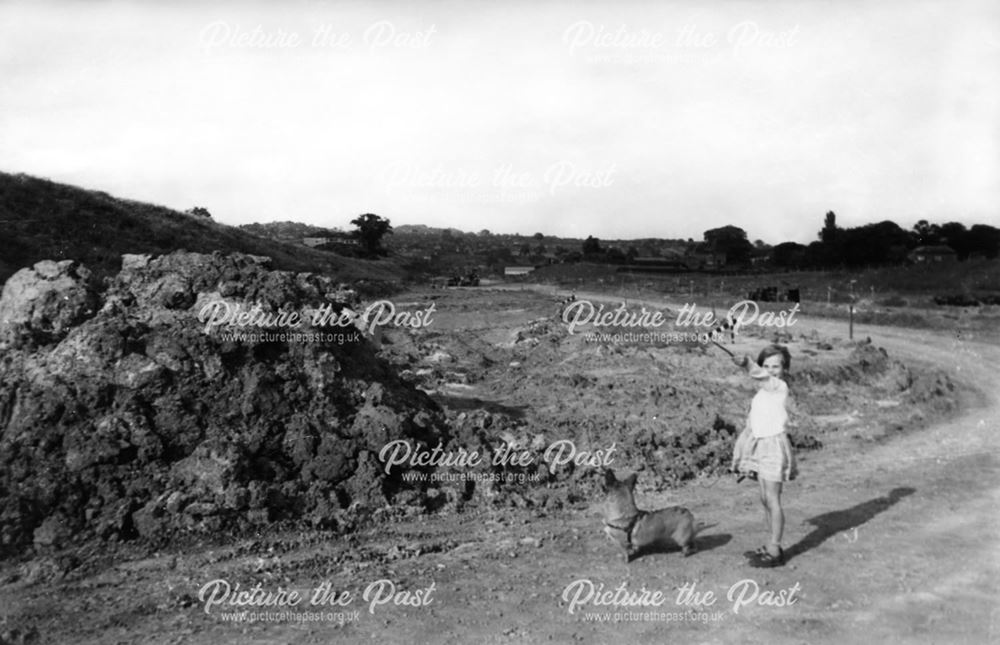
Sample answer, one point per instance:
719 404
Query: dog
638 531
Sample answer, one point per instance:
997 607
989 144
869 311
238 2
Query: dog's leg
685 533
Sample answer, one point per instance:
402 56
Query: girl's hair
775 350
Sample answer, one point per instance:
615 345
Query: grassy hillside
41 219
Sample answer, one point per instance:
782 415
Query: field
898 296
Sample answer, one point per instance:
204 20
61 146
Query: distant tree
198 211
984 240
957 237
927 233
369 231
828 251
828 234
631 253
525 250
485 233
788 254
538 236
540 249
591 246
729 242
952 232
759 244
818 254
873 244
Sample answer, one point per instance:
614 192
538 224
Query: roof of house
934 248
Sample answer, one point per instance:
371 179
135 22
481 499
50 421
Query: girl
763 450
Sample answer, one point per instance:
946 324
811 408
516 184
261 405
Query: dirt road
898 542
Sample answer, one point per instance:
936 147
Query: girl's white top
768 414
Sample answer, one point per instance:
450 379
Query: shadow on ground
829 524
702 543
472 403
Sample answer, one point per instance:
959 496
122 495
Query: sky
620 120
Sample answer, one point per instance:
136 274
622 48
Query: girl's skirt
771 457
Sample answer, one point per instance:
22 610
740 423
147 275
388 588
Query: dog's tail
701 526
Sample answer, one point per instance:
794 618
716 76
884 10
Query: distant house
337 237
515 271
315 241
937 253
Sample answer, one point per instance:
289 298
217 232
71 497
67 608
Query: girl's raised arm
753 369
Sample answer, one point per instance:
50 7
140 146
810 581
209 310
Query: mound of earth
670 410
122 415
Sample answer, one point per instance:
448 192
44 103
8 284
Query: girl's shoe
767 561
754 554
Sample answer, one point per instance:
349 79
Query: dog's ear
609 478
630 480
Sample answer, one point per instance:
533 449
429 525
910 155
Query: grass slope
44 220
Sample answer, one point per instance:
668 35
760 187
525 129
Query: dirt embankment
122 416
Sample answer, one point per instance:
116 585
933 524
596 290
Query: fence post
850 330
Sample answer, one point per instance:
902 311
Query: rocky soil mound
669 410
122 416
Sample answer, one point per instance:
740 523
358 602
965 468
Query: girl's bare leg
763 502
776 515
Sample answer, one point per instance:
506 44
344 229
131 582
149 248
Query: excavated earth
122 416
133 434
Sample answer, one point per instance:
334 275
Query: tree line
880 244
885 243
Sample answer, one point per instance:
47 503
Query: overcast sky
617 119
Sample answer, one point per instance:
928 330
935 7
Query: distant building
315 241
515 271
337 237
937 253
